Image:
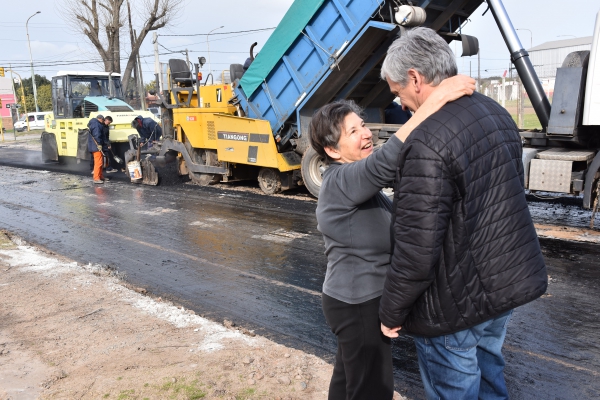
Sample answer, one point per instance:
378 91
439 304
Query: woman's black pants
363 363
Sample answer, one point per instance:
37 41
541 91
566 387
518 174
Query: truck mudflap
590 179
49 147
82 144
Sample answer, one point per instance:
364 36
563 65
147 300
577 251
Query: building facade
8 101
549 56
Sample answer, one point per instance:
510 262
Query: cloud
50 49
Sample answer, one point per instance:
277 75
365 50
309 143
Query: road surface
258 261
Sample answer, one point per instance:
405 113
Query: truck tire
269 180
591 178
202 157
312 168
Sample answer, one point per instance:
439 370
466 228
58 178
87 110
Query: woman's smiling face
355 143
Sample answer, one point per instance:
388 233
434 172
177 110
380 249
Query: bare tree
101 21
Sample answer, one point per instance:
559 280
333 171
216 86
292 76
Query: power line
95 61
49 63
4 23
25 63
169 50
39 41
224 33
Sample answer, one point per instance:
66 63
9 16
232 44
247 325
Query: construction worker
147 128
113 166
96 141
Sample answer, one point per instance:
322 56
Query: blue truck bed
325 50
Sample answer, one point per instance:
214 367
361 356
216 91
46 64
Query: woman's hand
448 90
451 89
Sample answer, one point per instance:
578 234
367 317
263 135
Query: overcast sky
54 42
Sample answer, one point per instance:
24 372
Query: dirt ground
568 233
69 331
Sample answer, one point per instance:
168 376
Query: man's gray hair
423 50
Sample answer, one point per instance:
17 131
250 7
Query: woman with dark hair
355 219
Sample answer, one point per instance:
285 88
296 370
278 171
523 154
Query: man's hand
390 332
99 147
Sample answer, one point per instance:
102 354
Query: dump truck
78 96
321 51
562 158
326 50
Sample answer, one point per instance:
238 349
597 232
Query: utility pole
504 90
37 109
520 107
132 39
142 90
478 70
16 110
157 71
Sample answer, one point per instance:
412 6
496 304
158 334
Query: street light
208 47
37 109
530 36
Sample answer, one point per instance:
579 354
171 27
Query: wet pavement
258 261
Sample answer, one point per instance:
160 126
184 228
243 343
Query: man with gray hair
465 249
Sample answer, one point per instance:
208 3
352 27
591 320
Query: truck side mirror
470 45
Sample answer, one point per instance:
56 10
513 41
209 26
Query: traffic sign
2 72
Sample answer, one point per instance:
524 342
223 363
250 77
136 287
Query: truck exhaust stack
520 59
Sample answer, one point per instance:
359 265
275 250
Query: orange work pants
98 166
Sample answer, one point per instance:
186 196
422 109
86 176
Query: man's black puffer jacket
465 247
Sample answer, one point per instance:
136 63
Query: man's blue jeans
466 364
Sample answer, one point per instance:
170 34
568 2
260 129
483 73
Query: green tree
150 86
45 97
43 91
27 86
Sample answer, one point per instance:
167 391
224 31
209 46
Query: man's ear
332 153
415 79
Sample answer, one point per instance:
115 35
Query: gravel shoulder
74 331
